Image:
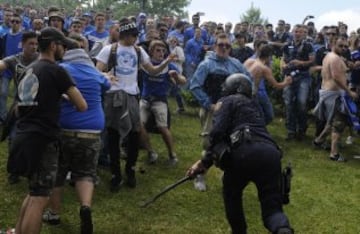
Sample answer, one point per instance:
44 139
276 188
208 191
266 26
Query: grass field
325 196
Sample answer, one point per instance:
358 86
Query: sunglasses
343 46
161 50
331 33
224 45
15 21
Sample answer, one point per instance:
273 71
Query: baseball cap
88 14
142 15
52 34
128 28
56 14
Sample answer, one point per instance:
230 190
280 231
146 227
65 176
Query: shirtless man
260 70
333 86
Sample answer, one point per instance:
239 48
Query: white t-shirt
126 68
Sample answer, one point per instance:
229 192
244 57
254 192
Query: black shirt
39 95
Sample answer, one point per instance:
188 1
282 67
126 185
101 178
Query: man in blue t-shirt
154 99
97 38
189 32
10 45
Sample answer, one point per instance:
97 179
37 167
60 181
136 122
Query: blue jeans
266 106
189 71
4 91
295 98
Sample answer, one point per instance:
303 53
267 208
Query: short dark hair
265 51
28 35
16 15
73 44
258 43
240 35
221 36
102 14
161 24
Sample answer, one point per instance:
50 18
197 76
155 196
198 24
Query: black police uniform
254 156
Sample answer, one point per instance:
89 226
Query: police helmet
237 83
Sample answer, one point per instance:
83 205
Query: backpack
112 61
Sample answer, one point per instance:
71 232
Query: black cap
128 28
53 34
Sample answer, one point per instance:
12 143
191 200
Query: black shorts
36 157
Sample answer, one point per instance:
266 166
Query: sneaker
115 184
152 157
86 225
51 218
173 160
349 140
199 183
337 158
285 230
321 145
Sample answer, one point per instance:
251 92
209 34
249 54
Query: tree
120 8
253 16
153 7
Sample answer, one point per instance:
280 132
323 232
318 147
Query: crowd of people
119 75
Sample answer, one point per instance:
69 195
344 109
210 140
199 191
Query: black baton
165 190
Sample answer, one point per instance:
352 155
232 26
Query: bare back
256 69
333 72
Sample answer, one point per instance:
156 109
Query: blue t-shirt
12 46
355 73
91 84
95 36
157 85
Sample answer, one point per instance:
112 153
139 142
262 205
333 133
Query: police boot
284 230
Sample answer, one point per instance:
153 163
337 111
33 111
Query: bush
189 98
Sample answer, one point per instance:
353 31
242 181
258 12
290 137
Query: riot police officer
242 147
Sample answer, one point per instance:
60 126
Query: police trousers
257 162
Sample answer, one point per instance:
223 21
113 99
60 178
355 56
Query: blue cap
87 14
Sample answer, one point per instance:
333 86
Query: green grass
325 196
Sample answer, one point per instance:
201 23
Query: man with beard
331 104
35 148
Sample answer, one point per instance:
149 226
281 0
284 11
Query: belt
85 135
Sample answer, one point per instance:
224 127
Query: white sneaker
199 183
152 157
173 160
68 176
349 140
